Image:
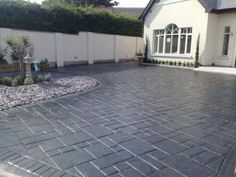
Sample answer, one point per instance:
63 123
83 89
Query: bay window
172 40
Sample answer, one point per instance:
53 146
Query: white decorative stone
61 84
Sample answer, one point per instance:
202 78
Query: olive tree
18 47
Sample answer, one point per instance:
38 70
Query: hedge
66 18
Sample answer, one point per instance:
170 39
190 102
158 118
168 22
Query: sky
122 3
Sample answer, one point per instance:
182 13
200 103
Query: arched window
172 40
172 37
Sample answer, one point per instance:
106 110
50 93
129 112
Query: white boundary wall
86 47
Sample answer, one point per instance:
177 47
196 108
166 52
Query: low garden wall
9 68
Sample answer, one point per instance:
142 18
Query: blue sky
123 3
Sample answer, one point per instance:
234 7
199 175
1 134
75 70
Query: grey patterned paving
142 121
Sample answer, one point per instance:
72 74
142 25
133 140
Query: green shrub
171 63
47 77
175 63
6 81
184 64
14 82
163 62
65 18
20 79
39 78
179 63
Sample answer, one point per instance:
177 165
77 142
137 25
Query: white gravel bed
61 84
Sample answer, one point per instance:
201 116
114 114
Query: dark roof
210 5
130 11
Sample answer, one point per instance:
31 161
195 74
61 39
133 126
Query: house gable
216 6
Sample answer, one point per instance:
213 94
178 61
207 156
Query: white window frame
177 54
223 47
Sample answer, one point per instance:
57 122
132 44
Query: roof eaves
151 2
146 10
205 5
224 10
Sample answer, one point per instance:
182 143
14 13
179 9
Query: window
185 40
172 40
226 41
171 43
158 41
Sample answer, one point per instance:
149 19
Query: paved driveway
142 121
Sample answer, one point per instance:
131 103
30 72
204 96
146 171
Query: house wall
211 40
85 47
225 19
183 13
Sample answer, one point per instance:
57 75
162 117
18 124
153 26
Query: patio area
219 70
141 121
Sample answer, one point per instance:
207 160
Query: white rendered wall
226 19
43 43
104 47
86 47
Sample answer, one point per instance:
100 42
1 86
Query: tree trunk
21 62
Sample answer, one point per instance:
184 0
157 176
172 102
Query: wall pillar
59 50
90 48
116 48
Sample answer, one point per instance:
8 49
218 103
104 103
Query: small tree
196 65
146 50
18 46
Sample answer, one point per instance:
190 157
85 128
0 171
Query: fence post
90 48
59 49
116 48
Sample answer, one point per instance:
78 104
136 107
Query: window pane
175 44
155 44
168 31
227 29
226 44
189 44
182 44
189 30
183 30
168 44
176 31
161 44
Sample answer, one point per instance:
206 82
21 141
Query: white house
172 27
